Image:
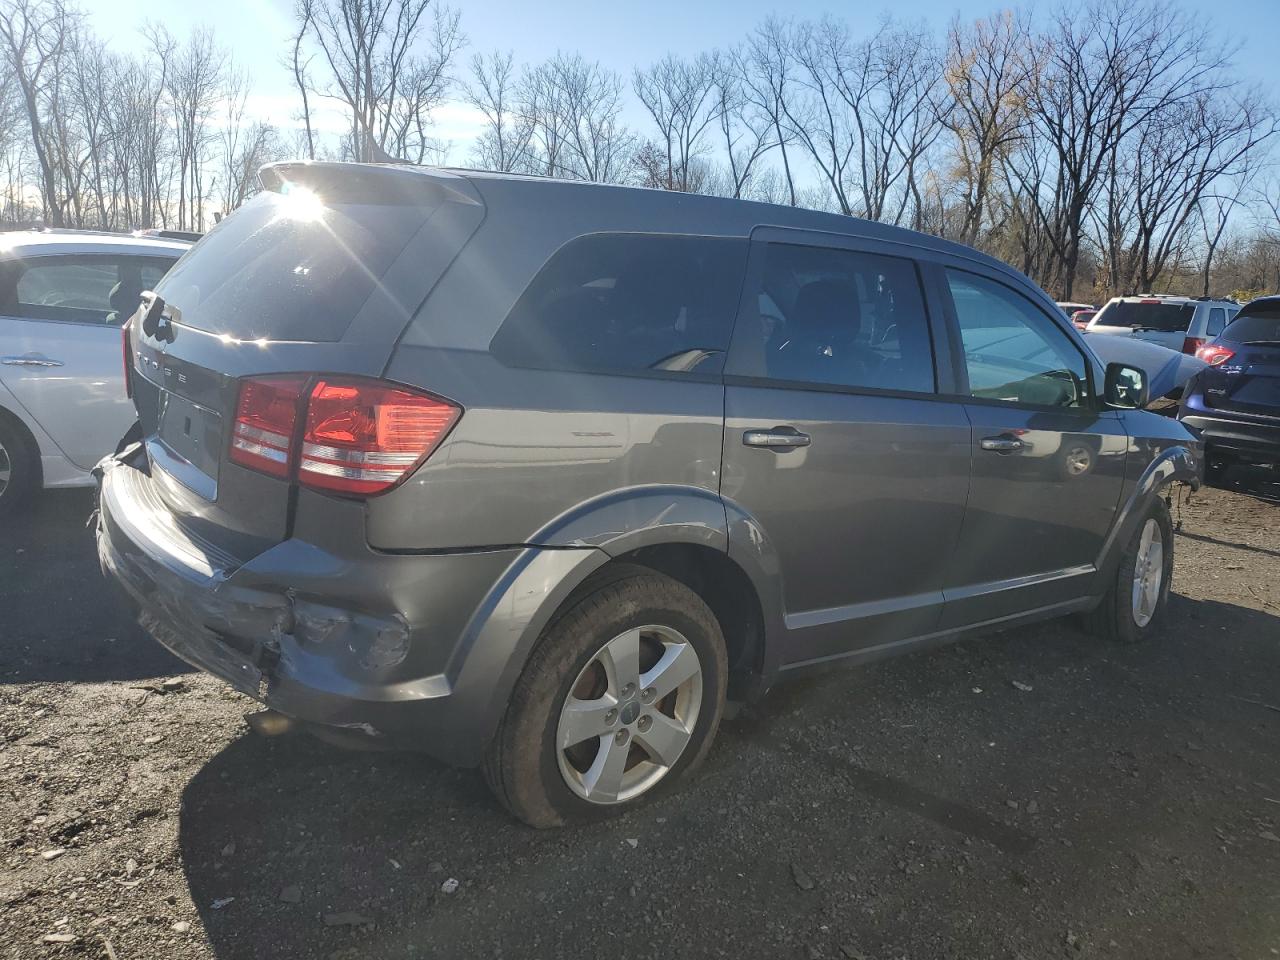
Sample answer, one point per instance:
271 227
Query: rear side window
1259 325
1152 315
1217 321
79 288
292 265
628 303
837 317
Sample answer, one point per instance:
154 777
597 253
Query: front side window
628 303
836 317
1013 352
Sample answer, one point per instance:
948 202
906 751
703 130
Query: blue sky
620 35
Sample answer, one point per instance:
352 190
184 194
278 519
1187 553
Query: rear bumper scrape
390 676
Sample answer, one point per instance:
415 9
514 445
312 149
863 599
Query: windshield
1261 325
1166 317
288 267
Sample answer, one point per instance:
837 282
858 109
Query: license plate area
188 443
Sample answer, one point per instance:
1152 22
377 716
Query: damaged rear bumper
367 644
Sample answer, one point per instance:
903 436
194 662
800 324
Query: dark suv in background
531 474
1234 403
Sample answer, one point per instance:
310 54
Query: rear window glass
628 303
1165 317
288 266
1261 325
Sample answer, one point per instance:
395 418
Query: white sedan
63 297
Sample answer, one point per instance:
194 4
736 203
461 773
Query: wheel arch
1174 464
11 419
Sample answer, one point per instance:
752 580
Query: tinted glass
836 317
1165 317
289 266
1013 352
74 289
1257 325
628 303
1217 321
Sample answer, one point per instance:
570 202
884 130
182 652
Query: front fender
1173 464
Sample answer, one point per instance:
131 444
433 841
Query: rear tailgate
1248 381
319 273
1150 319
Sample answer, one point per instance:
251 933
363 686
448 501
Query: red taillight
364 437
359 437
266 419
1192 344
1215 354
128 358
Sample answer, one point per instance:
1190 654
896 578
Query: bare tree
389 64
679 96
299 64
34 34
1161 173
768 85
574 107
985 70
1099 74
194 85
504 143
746 134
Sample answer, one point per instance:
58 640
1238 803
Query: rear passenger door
60 349
1048 459
837 443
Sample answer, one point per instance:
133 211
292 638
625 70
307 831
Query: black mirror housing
1126 387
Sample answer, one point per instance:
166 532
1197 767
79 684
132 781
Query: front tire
1135 601
619 701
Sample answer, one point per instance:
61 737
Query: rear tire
1136 598
579 741
17 469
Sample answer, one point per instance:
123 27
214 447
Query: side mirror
1126 387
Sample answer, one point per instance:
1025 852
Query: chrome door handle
31 360
779 438
1001 444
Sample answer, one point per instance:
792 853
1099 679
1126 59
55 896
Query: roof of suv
31 243
1171 298
737 215
675 212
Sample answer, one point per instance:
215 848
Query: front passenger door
1048 459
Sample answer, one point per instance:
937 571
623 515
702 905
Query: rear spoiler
377 184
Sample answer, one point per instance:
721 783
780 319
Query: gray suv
531 475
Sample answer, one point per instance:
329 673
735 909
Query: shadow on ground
67 624
1110 800
1252 481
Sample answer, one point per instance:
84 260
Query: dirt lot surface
1034 794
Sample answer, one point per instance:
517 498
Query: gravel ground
1033 794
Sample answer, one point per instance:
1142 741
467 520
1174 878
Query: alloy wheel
1148 573
629 715
6 469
